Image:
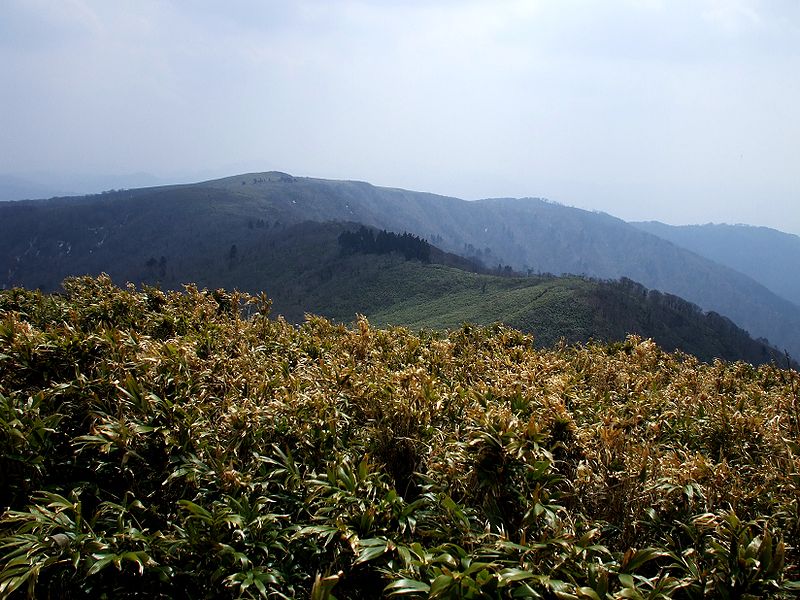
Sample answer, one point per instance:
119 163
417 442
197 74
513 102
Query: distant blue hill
18 188
769 256
48 185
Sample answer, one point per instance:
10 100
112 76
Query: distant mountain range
18 188
48 185
224 233
770 257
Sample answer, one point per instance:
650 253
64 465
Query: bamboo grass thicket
191 445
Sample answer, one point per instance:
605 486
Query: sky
683 111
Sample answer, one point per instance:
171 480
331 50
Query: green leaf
10 584
633 559
403 587
587 592
262 589
792 586
526 591
475 567
103 561
373 548
446 558
626 580
196 510
513 574
140 559
440 585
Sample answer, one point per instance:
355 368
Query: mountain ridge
767 255
530 235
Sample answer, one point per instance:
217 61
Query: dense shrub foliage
188 445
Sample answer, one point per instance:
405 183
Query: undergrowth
188 445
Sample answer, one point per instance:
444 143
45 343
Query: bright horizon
682 111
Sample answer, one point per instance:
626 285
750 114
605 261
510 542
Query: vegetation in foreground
164 445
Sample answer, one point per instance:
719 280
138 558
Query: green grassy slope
395 292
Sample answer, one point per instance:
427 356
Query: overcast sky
685 111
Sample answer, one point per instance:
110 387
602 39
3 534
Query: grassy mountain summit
173 445
177 231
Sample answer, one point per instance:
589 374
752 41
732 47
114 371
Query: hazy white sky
685 111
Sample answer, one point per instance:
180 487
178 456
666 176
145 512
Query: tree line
366 241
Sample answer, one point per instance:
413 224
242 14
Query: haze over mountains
769 256
46 185
206 232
